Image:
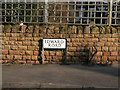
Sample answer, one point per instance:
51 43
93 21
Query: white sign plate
54 43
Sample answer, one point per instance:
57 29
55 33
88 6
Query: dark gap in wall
110 30
34 28
77 31
100 30
83 30
27 28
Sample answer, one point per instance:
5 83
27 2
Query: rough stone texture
114 30
107 30
24 46
102 30
87 30
95 30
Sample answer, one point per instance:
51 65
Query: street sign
54 43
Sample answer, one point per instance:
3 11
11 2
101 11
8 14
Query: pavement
59 76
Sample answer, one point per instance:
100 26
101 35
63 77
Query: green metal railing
75 12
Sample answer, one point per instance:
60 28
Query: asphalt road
59 76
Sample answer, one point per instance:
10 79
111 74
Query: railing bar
74 12
68 11
88 13
25 12
101 13
116 13
31 12
110 13
18 10
94 12
81 10
5 11
37 11
12 12
61 14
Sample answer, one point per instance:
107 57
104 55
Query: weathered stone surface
80 29
7 28
87 30
23 28
95 30
114 30
102 30
91 24
118 28
15 28
107 29
36 29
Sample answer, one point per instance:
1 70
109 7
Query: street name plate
54 43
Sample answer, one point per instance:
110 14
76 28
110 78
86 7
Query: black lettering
52 41
62 41
49 45
48 41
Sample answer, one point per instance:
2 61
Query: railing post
110 13
46 11
42 55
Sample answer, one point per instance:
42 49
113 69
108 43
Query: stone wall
24 45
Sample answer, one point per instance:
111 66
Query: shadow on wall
86 56
82 56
